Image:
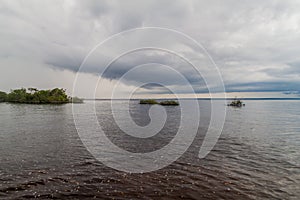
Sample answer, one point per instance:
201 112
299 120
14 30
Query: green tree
3 96
32 90
17 96
55 96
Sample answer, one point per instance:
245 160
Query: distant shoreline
136 99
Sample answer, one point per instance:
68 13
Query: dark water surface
256 157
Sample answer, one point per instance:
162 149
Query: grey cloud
256 44
264 86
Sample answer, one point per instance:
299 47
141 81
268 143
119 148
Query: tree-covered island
162 103
35 96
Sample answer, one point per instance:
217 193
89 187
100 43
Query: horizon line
230 98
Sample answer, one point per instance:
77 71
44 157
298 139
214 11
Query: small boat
236 103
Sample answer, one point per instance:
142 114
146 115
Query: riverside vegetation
163 103
35 96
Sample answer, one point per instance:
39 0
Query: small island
236 103
148 101
35 96
163 103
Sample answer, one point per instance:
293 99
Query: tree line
35 96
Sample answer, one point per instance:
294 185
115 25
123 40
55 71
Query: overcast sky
255 44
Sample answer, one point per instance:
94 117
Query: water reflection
257 156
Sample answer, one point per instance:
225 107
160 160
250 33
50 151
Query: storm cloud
255 44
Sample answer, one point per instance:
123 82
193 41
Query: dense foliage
163 103
148 101
35 96
169 103
3 96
